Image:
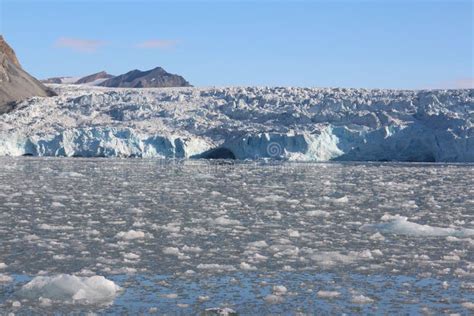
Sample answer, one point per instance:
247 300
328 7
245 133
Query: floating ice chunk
377 236
224 221
70 174
172 251
203 298
317 213
451 257
341 200
170 227
467 285
269 198
274 299
191 249
258 244
5 278
123 270
131 234
55 227
365 254
246 266
377 253
215 267
259 257
272 214
170 295
71 289
279 290
293 233
452 239
284 250
61 257
45 302
3 265
328 294
16 304
189 272
220 311
331 258
468 305
131 256
361 299
401 226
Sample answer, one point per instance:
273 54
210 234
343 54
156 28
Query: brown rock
15 83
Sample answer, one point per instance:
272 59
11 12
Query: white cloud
79 45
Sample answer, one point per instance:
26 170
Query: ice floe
131 234
402 226
71 289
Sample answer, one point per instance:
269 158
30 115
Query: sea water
191 237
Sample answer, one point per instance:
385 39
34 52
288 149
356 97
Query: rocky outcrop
15 83
96 78
154 78
8 52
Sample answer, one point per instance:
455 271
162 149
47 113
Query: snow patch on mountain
305 124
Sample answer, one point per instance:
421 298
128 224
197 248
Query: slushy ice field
199 237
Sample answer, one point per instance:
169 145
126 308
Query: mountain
15 83
95 79
154 78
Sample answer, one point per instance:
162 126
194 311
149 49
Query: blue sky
372 44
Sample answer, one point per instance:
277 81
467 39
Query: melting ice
189 237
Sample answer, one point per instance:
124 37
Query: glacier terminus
284 123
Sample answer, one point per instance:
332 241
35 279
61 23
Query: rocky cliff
15 83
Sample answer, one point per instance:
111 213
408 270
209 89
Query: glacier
284 123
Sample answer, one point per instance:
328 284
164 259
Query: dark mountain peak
95 78
156 77
158 69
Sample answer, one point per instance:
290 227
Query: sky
396 44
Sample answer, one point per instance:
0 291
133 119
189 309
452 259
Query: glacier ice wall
305 124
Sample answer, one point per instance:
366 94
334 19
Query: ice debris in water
400 225
328 294
361 299
131 234
65 288
226 311
5 278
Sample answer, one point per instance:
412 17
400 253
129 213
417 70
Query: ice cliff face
245 123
